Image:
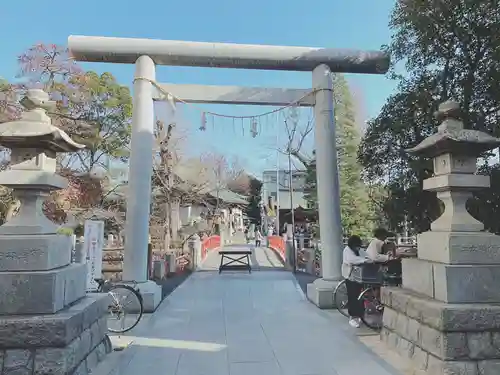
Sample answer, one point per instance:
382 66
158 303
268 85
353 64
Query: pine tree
253 208
310 192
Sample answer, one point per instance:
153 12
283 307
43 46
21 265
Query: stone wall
68 343
442 338
112 263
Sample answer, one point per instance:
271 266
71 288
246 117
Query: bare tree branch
296 135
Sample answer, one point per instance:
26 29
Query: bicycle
370 295
126 305
340 298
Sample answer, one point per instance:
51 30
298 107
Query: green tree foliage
9 106
353 195
450 49
252 210
310 190
94 109
107 111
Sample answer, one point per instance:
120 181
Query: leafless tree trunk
164 177
296 134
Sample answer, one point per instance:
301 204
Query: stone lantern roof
451 136
34 128
34 144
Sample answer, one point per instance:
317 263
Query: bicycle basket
368 273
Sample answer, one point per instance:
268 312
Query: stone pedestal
194 245
151 295
442 338
446 318
71 341
320 292
47 323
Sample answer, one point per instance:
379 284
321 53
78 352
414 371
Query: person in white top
351 257
375 249
258 237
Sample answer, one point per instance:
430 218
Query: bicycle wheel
108 345
374 309
125 308
340 298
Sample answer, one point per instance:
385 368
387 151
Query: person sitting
375 250
351 257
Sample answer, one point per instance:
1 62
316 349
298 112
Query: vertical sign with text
92 248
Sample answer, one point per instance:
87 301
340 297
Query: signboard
92 248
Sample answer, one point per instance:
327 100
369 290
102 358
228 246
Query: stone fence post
194 245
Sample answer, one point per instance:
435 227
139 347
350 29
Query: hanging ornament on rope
171 102
203 125
255 125
253 128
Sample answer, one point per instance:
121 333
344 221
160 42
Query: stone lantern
446 318
47 323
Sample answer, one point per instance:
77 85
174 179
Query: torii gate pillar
321 291
135 262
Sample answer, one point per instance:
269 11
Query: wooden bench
241 257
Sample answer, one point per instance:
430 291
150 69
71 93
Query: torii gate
145 53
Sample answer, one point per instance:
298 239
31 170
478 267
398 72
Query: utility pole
277 222
292 211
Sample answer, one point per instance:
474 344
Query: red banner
208 244
278 244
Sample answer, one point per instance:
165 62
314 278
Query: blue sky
357 24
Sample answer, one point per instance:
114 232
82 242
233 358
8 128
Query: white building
280 190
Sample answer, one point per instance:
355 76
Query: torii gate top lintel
226 55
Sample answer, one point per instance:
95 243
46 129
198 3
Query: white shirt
374 251
349 259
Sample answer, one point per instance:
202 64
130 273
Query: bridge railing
208 244
277 243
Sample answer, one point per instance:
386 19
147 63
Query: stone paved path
238 323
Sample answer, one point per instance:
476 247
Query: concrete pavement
238 323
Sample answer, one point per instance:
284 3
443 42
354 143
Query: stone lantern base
48 324
71 341
441 338
446 318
